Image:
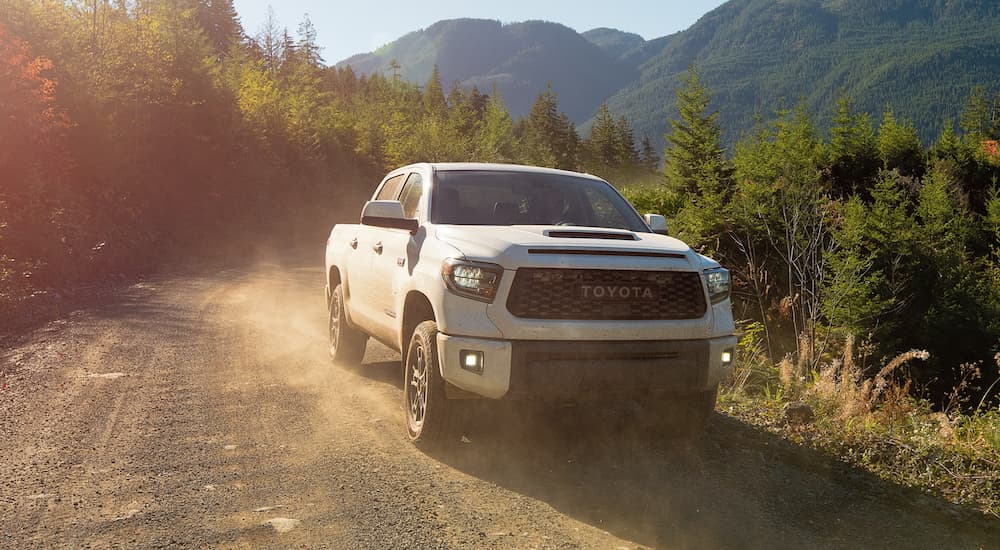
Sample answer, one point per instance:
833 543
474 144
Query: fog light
471 361
727 357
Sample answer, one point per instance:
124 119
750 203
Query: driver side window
604 212
410 197
390 191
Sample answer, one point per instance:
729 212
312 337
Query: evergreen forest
134 128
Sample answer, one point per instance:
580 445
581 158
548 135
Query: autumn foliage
32 123
33 156
125 139
160 127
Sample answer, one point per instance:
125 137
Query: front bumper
571 369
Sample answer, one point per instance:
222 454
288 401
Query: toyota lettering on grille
619 292
544 293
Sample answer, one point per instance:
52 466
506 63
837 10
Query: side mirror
657 223
387 214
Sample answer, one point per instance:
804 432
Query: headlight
719 287
475 280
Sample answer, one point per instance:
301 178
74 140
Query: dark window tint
485 197
605 212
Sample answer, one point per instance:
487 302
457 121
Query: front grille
601 294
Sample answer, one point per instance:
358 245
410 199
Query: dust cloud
230 405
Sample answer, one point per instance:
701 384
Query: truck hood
542 245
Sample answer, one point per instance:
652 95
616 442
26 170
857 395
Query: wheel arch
335 278
332 280
416 309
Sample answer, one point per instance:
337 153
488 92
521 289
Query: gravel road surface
198 409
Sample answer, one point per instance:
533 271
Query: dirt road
199 410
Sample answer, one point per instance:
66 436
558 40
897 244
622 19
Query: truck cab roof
486 166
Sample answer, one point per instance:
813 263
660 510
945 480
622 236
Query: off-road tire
347 344
430 417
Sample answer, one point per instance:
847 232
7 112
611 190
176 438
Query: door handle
354 243
377 247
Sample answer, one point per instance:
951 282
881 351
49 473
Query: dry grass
787 373
884 377
875 422
752 372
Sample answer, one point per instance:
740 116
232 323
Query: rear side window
390 191
410 196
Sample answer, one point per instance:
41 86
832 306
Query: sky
345 28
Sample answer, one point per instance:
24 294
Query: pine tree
307 47
395 67
851 297
550 137
867 290
650 160
626 156
434 103
695 169
694 158
477 102
221 24
854 154
949 146
610 148
976 120
496 141
289 53
950 297
269 40
456 97
463 122
602 146
899 146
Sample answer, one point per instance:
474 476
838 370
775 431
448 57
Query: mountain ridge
919 58
520 58
757 56
616 43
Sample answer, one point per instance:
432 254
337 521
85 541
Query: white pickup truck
515 282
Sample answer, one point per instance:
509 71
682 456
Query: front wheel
429 417
347 344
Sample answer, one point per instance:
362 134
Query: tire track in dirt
230 429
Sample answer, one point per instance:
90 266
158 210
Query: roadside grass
873 422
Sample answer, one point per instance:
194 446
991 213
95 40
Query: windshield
484 197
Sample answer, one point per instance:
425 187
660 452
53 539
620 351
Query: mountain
919 57
520 58
613 41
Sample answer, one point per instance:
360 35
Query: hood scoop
606 252
607 235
